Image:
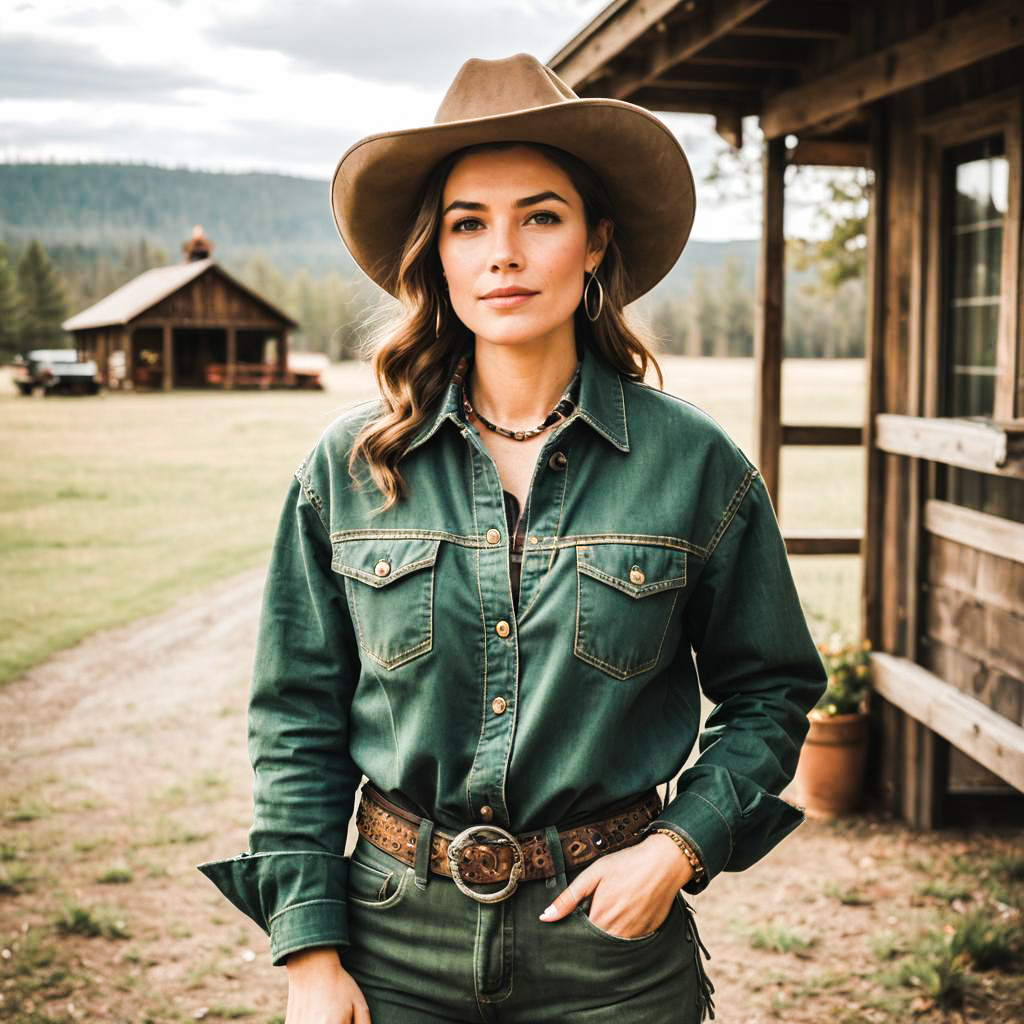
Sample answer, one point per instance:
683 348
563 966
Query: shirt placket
485 788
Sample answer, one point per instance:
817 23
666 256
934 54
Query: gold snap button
558 460
493 536
383 567
498 705
486 812
535 540
501 628
636 575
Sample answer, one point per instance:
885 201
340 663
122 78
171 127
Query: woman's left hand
633 888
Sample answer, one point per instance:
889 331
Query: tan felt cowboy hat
377 183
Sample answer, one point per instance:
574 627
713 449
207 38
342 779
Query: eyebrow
540 197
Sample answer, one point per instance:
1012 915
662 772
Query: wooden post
232 355
168 356
768 321
129 359
282 356
103 357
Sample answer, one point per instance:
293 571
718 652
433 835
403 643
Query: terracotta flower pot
830 773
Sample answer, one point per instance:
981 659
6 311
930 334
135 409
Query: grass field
111 507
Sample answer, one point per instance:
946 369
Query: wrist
314 959
684 850
676 866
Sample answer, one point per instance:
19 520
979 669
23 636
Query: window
975 183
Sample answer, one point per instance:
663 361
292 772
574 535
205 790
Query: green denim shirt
653 569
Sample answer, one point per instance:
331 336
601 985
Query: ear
599 239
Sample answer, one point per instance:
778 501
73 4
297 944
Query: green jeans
422 952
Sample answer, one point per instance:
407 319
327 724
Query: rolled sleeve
292 882
756 661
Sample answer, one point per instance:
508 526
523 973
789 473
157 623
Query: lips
506 298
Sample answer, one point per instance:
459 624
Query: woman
504 645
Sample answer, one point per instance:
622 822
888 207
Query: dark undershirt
515 521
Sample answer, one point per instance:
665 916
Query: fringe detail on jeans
705 987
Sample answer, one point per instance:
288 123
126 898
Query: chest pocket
626 594
390 588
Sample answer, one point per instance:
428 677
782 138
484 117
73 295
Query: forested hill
284 220
105 207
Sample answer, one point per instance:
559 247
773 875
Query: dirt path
123 765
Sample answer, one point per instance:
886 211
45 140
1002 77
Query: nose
506 253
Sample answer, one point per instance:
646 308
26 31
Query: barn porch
928 95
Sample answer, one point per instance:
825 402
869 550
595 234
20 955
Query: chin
513 331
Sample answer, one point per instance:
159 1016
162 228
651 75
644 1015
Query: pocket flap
379 561
635 569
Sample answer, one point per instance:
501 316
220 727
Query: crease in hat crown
378 180
484 88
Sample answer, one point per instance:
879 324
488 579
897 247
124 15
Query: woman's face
512 219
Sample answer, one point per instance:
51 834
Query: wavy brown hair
413 365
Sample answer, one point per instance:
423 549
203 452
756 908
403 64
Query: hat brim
378 181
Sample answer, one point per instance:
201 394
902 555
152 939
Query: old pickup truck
55 371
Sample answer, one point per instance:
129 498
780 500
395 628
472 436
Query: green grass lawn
113 506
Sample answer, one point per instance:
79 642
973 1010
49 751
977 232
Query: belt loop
424 842
557 858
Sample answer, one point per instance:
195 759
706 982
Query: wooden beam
830 153
825 542
682 101
606 37
986 447
981 733
729 126
874 358
1009 402
980 31
978 530
809 434
788 20
678 44
768 321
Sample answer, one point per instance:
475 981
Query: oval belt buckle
464 839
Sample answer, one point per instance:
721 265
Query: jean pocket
626 594
582 911
372 885
389 584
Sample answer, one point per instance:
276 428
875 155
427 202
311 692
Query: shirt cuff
296 896
705 829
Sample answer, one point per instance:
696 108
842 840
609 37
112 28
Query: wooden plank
669 48
683 101
788 20
986 447
975 529
231 371
830 153
811 434
768 321
974 34
830 542
969 725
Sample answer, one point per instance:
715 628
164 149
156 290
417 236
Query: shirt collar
601 405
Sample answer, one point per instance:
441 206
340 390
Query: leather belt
469 857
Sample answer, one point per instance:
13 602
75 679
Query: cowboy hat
377 183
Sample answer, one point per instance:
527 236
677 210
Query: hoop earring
586 296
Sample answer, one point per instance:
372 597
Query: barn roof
141 293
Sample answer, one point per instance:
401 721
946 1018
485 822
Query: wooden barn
190 324
928 94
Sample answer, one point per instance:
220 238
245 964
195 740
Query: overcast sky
270 84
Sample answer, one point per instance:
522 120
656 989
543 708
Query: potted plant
829 776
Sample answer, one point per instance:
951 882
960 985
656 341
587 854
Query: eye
553 218
459 224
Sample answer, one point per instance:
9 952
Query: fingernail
548 911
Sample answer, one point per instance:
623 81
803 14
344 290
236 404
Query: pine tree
10 310
44 304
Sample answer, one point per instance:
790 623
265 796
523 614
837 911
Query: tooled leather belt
395 830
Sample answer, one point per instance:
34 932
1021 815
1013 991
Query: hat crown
483 88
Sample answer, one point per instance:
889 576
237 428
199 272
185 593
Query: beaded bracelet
688 852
